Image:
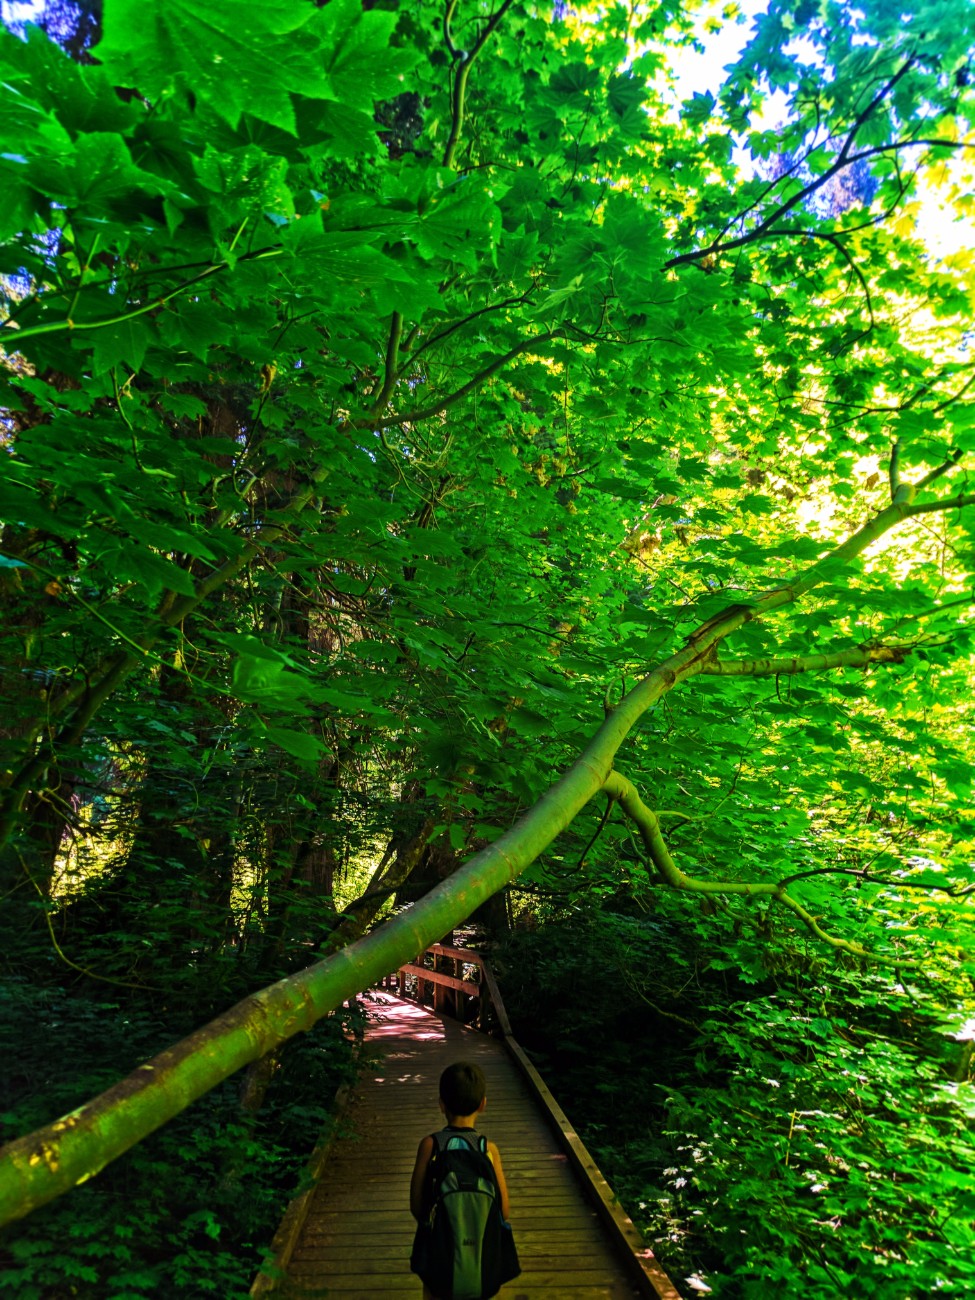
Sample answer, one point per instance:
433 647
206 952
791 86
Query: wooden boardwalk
357 1235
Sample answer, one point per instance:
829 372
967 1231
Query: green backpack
463 1249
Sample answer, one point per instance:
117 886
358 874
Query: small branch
866 879
834 240
842 250
596 833
438 407
893 472
934 610
54 326
843 945
857 657
392 362
880 96
950 401
93 610
448 40
62 955
958 502
935 474
466 320
717 246
647 823
461 75
670 1015
86 697
84 272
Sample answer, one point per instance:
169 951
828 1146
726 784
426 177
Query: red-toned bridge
350 1233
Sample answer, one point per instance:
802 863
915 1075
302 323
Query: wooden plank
466 955
359 1282
541 1253
307 1289
532 1231
543 1202
557 1292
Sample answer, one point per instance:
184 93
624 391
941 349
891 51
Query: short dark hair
462 1088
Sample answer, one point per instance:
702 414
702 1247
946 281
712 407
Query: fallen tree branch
40 1166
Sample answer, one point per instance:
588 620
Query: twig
596 833
82 970
84 271
717 247
436 408
392 362
836 243
958 502
67 324
893 473
880 96
950 463
464 62
466 320
861 874
447 38
648 825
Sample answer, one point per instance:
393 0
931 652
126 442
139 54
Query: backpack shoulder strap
476 1141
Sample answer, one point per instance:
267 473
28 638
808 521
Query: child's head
462 1089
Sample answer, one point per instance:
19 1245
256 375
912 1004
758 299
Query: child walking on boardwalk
464 1248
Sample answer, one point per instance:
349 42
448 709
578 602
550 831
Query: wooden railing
447 985
448 981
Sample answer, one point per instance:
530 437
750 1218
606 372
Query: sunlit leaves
339 54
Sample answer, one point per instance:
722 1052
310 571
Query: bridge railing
445 977
450 980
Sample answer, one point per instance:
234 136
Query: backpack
463 1249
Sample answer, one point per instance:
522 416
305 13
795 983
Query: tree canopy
439 459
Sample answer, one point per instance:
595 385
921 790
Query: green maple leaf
213 50
239 57
98 170
123 343
355 55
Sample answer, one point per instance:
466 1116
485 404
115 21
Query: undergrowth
797 1134
191 1210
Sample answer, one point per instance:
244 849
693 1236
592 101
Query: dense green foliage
385 391
808 1135
192 1210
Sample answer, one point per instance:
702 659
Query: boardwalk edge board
647 1273
289 1229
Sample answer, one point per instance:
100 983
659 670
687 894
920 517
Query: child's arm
495 1158
423 1154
